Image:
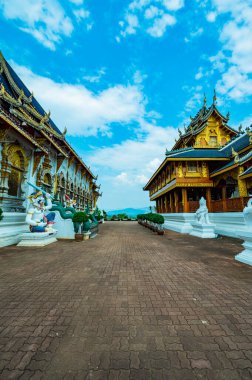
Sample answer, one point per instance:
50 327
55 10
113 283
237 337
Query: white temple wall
226 223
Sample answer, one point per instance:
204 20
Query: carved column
242 184
224 198
209 199
185 200
176 201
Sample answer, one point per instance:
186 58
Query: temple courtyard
128 304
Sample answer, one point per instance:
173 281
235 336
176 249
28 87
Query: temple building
209 159
33 149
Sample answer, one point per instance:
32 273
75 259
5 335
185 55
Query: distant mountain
129 211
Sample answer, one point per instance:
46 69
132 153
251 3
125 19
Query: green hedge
151 217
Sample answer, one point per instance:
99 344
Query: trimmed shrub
151 217
80 217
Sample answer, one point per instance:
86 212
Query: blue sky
123 75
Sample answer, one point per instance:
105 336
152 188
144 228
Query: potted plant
77 222
86 226
80 222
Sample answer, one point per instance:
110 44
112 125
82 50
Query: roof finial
214 98
205 99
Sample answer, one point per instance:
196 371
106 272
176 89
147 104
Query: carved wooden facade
33 149
210 159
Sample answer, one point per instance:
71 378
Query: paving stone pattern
126 305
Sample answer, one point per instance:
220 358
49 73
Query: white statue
247 213
36 218
201 214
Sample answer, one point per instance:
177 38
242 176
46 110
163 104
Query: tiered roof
24 113
239 142
199 122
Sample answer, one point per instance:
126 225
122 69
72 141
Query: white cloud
139 77
122 178
76 2
132 23
140 156
173 5
195 100
45 20
81 14
211 16
194 34
160 25
152 12
152 166
199 74
130 164
152 16
247 122
96 77
234 60
84 112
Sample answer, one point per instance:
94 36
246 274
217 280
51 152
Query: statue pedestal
246 255
205 231
37 239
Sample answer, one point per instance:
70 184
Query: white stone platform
246 255
12 226
226 223
37 239
179 222
204 231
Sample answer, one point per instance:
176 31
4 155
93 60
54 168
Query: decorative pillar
185 200
171 202
242 183
209 199
224 198
176 201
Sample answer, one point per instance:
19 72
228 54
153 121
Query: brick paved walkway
126 305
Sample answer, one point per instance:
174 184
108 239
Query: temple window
192 166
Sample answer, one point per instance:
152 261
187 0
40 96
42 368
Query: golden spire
2 90
205 100
30 97
214 98
235 155
21 96
64 132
